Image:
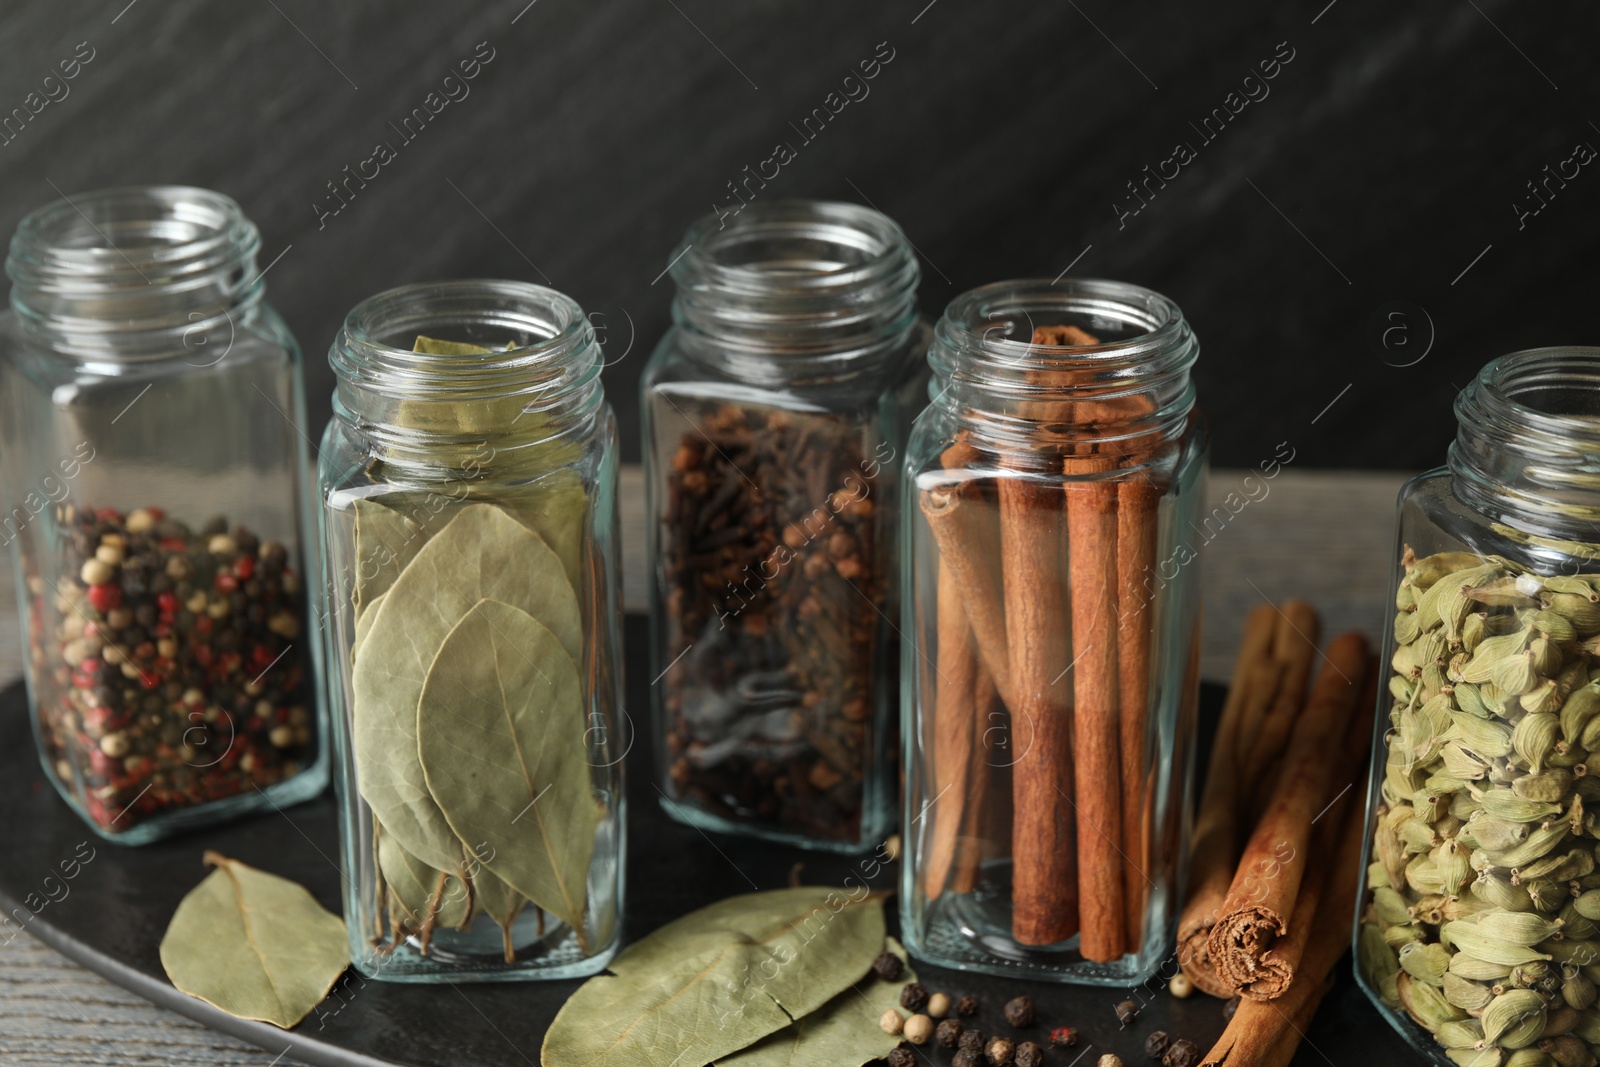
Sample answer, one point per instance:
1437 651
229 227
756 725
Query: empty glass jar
1477 936
774 415
468 483
1051 626
156 488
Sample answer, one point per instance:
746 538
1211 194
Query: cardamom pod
1547 786
1504 804
1590 738
1582 612
1406 627
1426 1004
1582 953
1391 906
1494 833
1576 988
1546 656
1376 958
1560 1017
1469 937
1529 1057
1528 975
1500 892
1516 674
1502 592
1493 698
1559 867
1540 842
1494 651
1459 907
1514 1019
1467 699
1423 876
1534 738
1425 962
1401 688
1488 738
1547 896
1489 1056
1390 850
1551 625
1377 876
1465 994
1575 925
1405 597
1546 696
1570 584
1574 675
1578 710
1466 965
1588 904
1397 937
1450 859
1588 1027
1423 573
1564 1050
1418 836
1461 1033
1518 928
1473 630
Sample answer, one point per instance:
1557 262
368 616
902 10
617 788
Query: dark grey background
1385 161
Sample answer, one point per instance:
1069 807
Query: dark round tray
114 912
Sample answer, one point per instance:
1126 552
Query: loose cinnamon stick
1266 1033
1215 846
1045 895
1091 512
1262 896
951 736
1138 502
1294 647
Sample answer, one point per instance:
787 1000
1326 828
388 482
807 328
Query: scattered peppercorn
888 967
1229 1008
1127 1012
948 1033
901 1056
1063 1037
1180 986
919 1028
973 1040
939 1005
1156 1044
914 997
967 1006
1029 1055
966 1058
1183 1053
999 1052
1019 1011
891 1022
1110 1059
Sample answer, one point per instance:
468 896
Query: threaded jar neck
1527 447
539 381
1132 386
146 272
795 291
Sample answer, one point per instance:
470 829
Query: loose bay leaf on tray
253 944
501 735
482 552
718 980
842 1033
385 542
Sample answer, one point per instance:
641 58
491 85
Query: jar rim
1502 383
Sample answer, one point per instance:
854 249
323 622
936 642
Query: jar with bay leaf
468 486
1479 933
774 413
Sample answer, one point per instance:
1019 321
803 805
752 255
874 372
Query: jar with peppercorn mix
156 483
1479 933
1051 631
468 490
774 413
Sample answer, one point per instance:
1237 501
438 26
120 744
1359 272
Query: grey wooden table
1323 536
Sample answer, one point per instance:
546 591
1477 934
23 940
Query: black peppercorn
1183 1053
1029 1055
1156 1044
1019 1011
966 1058
967 1006
1127 1012
914 997
887 966
901 1056
972 1040
949 1033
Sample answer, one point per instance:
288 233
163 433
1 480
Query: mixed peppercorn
166 663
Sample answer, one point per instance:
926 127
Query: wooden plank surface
1324 536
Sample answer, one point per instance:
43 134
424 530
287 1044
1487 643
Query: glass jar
1051 606
156 490
1477 921
469 499
774 411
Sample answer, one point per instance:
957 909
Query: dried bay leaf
413 885
719 979
254 945
501 735
385 542
481 552
842 1033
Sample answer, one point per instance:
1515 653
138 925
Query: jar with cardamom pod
470 606
775 410
1479 931
1052 491
157 487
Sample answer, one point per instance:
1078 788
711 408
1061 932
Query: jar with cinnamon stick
1478 928
1051 597
775 413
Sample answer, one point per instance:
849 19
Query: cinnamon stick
1294 648
1262 897
951 735
1045 893
1091 512
1138 503
1214 849
1266 1033
963 525
975 840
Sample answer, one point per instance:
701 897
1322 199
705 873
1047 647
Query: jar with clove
1051 587
1478 926
157 501
775 412
468 490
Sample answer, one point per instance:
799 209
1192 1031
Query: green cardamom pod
1454 607
1581 611
1566 756
1560 1017
1486 737
1567 583
1465 994
1494 699
1433 680
1564 1050
1547 896
1376 958
1425 962
1377 876
1546 656
1473 630
1494 651
1466 965
1405 597
1574 674
1466 907
1529 1057
1423 573
1488 1056
1576 988
1588 1028
1422 875
1406 627
1461 1033
1528 975
1588 904
1534 738
1578 710
1426 1004
1390 850
1502 592
1559 866
1546 696
1547 786
1432 807
1590 738
1515 675
1518 928
1582 953
1418 835
1390 906
1401 688
1397 937
1442 785
1428 607
1540 842
1575 925
1499 891
1514 1019
1465 694
1470 937
1551 625
1404 662
1454 867
1495 834
1504 804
